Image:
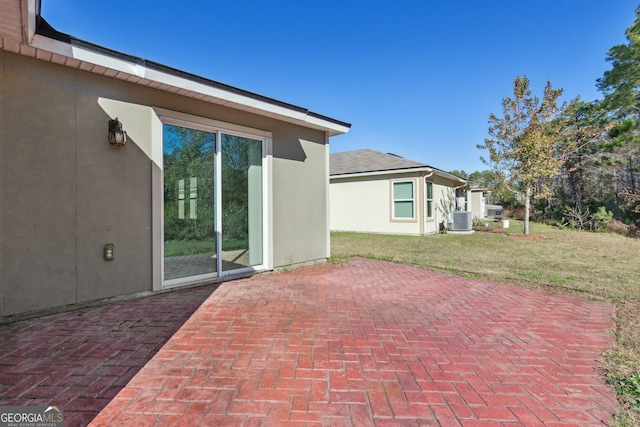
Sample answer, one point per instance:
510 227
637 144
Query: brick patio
82 359
375 343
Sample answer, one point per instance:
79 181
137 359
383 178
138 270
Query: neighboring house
213 181
384 193
478 203
481 205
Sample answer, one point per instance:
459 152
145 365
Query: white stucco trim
204 123
175 83
167 81
328 195
267 201
32 13
380 173
429 170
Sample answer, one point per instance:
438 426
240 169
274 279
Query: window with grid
429 199
403 200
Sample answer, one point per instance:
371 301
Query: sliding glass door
190 243
213 203
241 202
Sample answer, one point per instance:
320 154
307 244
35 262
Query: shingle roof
366 160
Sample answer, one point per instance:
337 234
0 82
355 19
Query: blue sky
417 78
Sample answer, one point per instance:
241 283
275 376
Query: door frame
163 116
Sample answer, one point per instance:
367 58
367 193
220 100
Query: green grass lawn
599 266
192 247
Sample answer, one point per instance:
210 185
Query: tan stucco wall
478 204
300 225
443 190
65 191
2 96
363 204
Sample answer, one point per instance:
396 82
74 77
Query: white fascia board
451 176
399 171
88 56
335 128
32 13
84 55
379 173
181 83
50 45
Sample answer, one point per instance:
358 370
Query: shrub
579 218
628 387
601 219
618 227
515 213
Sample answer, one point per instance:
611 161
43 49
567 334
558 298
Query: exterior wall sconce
116 135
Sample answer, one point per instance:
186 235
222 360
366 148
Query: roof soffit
47 44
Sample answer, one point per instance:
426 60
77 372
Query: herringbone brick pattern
81 359
375 343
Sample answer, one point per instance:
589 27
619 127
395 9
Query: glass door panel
241 192
189 157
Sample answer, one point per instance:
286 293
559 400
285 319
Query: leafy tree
631 203
189 157
524 145
599 145
624 142
189 161
235 202
499 193
486 178
582 136
460 173
621 89
621 84
581 179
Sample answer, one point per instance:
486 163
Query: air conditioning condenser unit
460 221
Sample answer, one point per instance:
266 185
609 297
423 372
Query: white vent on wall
461 221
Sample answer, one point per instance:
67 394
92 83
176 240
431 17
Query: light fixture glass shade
117 136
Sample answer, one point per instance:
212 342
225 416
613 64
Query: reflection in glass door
241 202
190 244
213 203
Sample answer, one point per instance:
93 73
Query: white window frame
427 200
412 200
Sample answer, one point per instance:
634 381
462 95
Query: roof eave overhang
452 177
401 171
48 44
382 172
141 73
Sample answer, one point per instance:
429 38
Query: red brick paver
81 359
375 343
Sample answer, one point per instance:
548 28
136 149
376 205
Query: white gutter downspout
456 198
457 188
